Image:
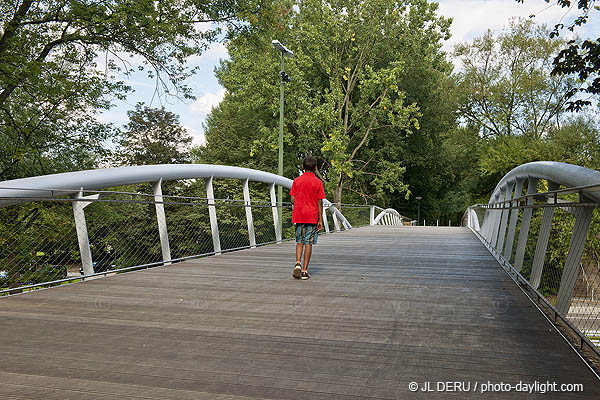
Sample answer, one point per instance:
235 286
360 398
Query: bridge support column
249 219
275 213
162 221
371 215
504 219
542 242
82 232
524 231
514 216
212 213
325 222
572 263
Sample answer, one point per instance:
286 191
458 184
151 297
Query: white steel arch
18 190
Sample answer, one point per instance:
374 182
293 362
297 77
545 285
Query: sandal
297 271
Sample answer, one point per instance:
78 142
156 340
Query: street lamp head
279 47
418 198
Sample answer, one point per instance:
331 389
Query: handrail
74 182
568 175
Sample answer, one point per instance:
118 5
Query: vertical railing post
276 223
542 242
82 232
212 213
325 221
505 212
162 221
514 216
371 215
469 218
524 231
249 219
497 216
336 223
570 272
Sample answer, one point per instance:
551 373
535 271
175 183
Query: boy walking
307 196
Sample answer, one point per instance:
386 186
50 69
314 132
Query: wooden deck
385 307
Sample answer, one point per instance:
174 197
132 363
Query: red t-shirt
308 190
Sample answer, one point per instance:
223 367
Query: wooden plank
386 306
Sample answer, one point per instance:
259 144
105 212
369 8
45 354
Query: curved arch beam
568 175
17 190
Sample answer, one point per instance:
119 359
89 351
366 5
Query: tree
578 58
345 103
154 136
506 87
51 85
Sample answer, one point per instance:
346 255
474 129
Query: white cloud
205 103
472 18
198 137
217 51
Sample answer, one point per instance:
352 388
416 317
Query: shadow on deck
385 307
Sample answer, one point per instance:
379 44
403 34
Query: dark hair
309 163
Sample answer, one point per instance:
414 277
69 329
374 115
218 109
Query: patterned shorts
306 233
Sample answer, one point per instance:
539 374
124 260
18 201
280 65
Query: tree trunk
337 194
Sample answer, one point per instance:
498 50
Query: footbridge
112 289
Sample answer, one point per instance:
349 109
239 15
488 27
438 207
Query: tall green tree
346 103
506 87
154 136
51 85
581 59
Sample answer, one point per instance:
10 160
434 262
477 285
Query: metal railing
40 245
52 236
548 240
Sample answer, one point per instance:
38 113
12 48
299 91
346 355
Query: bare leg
307 254
299 247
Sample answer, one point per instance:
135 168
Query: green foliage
51 86
37 241
153 136
359 92
580 59
506 87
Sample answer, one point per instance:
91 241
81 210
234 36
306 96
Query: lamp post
284 78
418 210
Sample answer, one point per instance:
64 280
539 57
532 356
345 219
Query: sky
471 19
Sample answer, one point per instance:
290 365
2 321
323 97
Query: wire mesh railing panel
287 229
37 244
561 230
122 234
233 228
264 229
512 251
357 215
532 239
189 229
